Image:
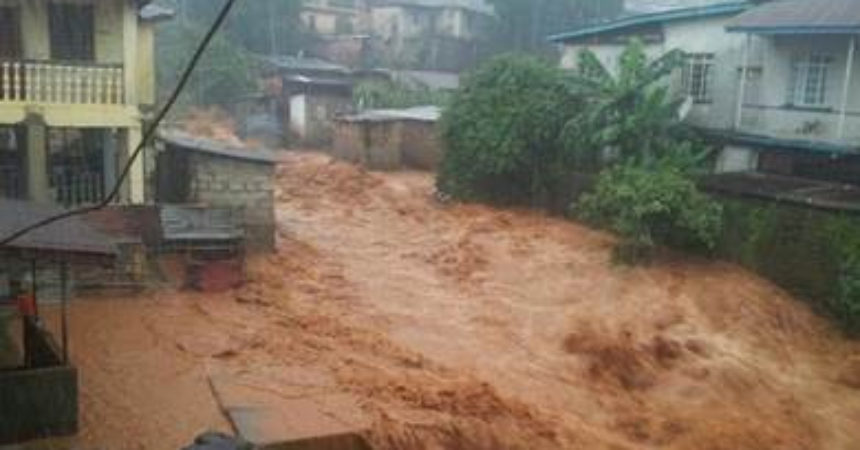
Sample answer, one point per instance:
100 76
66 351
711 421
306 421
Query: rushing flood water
463 326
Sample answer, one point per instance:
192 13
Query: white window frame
807 85
697 77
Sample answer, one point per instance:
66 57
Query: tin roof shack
38 383
311 92
314 103
390 139
202 172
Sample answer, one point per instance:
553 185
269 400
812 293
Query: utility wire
150 132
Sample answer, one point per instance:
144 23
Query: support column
742 89
136 182
129 37
846 86
37 160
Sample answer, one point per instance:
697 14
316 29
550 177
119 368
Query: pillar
129 60
37 160
136 178
846 85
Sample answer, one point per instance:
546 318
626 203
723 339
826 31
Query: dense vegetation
502 132
652 204
380 94
521 129
229 67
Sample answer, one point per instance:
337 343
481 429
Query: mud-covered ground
462 326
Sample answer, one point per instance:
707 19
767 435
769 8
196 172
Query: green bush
845 306
649 206
501 133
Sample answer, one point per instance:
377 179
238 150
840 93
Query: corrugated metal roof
185 141
419 113
800 17
694 13
69 236
297 63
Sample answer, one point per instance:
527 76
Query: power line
150 132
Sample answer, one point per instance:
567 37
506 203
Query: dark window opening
10 32
76 164
12 169
72 32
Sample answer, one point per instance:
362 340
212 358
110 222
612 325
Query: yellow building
76 82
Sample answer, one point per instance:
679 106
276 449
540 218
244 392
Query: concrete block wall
391 145
241 184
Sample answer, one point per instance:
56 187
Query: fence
77 188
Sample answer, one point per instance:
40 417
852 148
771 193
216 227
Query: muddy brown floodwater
462 326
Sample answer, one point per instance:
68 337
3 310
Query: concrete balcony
44 82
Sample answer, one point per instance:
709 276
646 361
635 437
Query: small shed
207 173
390 139
314 103
38 382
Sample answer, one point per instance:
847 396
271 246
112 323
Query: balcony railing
801 124
61 83
78 188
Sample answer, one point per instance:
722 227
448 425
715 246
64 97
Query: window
343 25
808 83
72 31
697 77
10 32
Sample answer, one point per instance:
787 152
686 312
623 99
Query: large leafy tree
501 132
630 113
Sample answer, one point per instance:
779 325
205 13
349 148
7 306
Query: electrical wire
147 136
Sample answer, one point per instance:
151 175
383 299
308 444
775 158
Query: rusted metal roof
800 17
184 141
71 236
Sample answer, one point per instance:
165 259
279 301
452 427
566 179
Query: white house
770 81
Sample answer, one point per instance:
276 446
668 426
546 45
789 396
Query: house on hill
76 81
773 83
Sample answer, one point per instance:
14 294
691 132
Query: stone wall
240 184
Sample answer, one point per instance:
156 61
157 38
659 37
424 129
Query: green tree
631 114
225 72
650 205
501 132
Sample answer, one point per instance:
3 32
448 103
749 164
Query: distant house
774 84
75 80
310 93
433 34
390 139
201 172
334 17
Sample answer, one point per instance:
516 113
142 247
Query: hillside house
334 17
773 83
76 79
433 34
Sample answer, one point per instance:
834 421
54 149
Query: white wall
299 115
